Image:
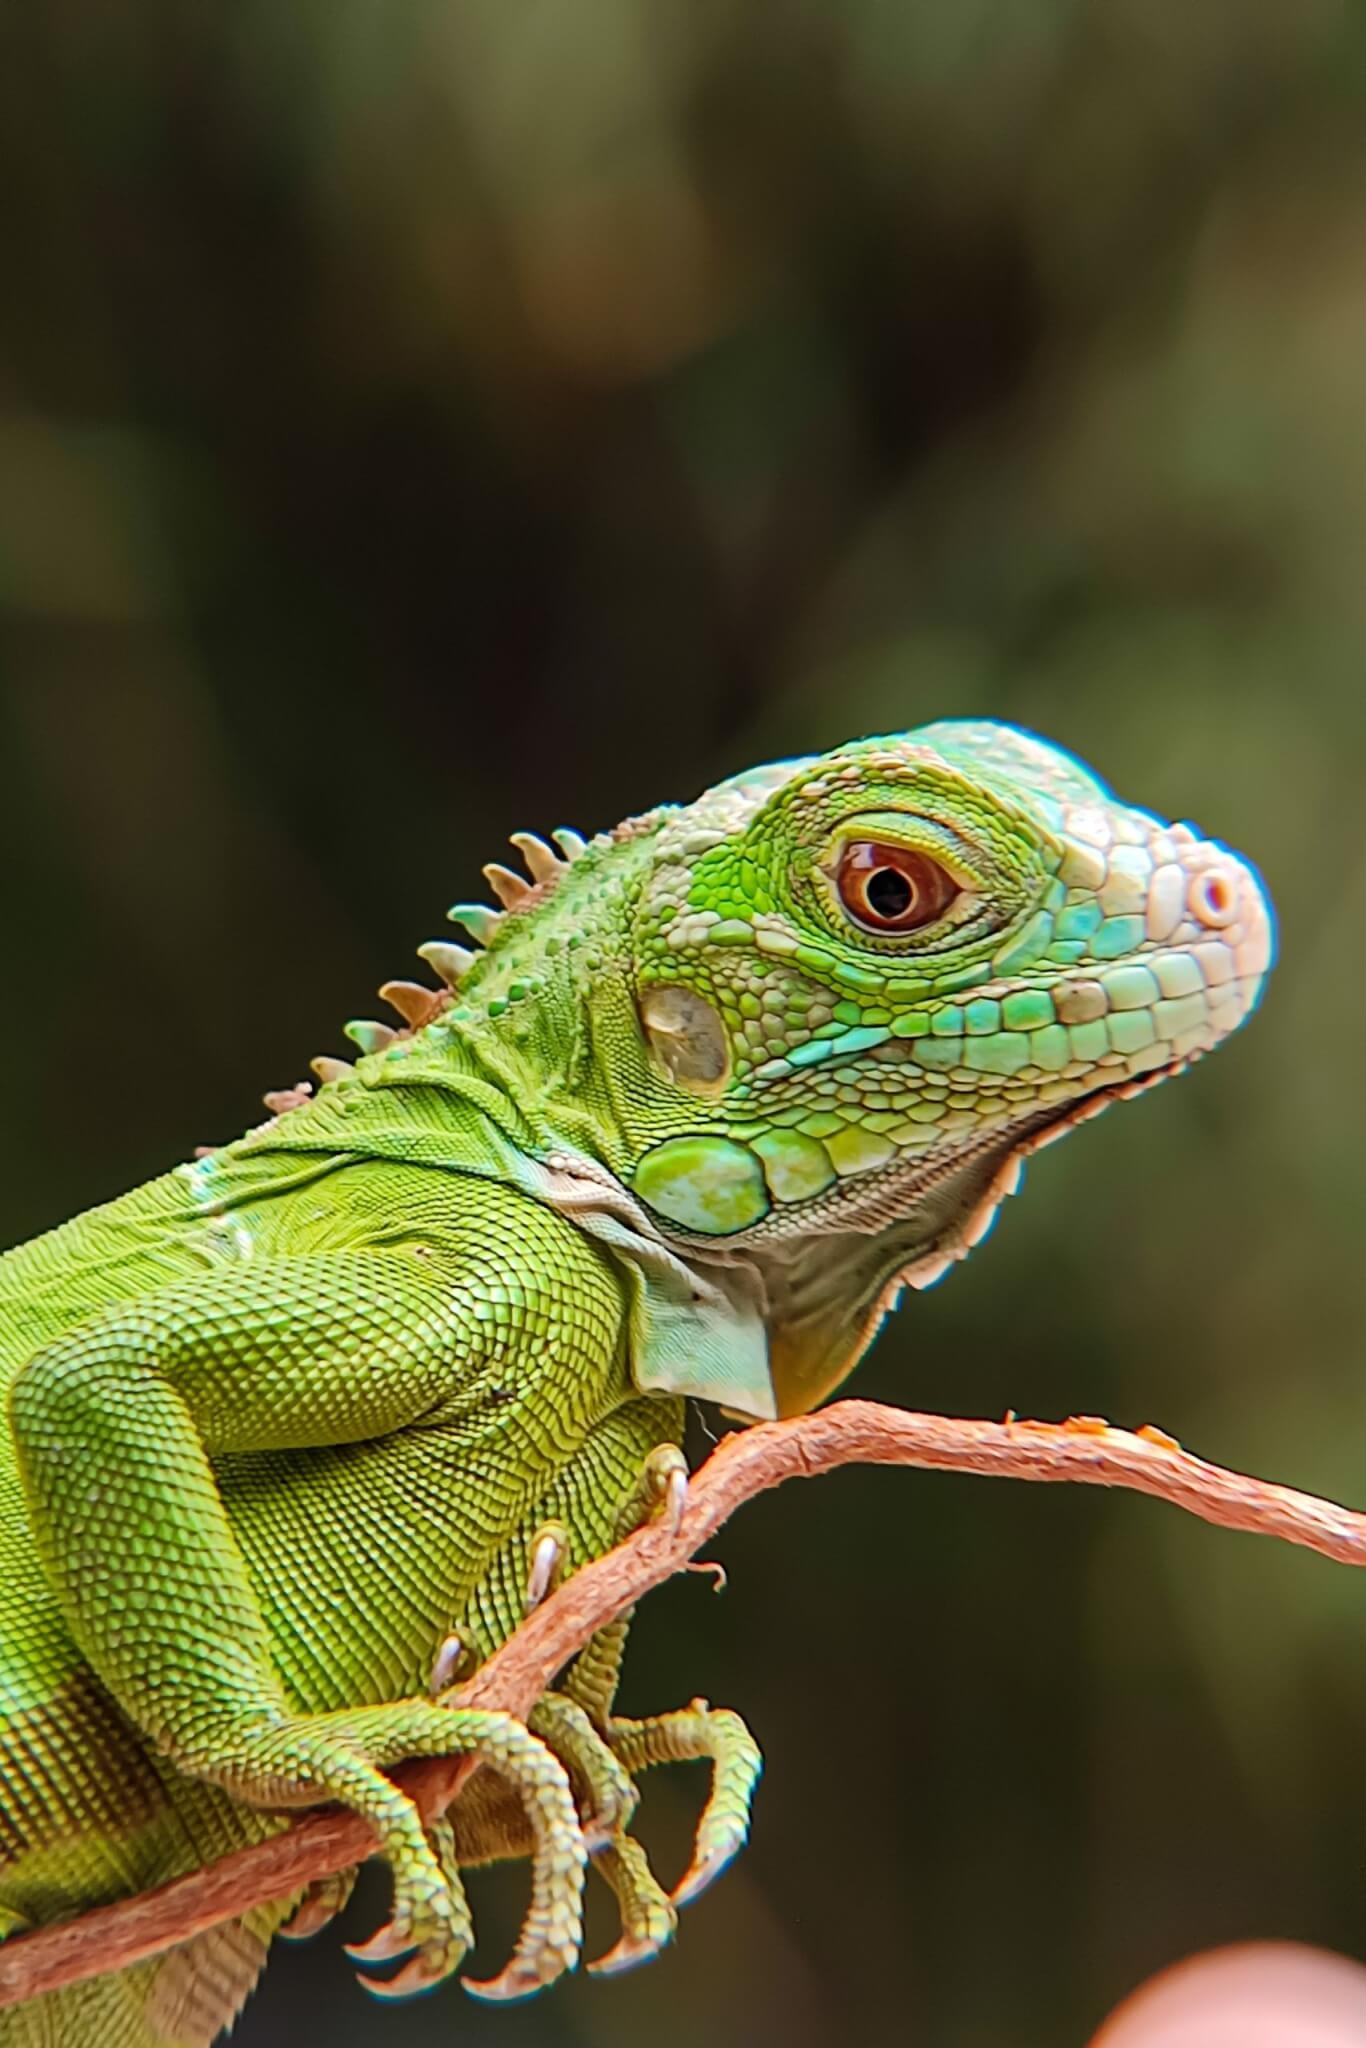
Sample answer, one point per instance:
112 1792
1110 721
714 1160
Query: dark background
424 420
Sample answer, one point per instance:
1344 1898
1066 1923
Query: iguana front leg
116 1424
620 1476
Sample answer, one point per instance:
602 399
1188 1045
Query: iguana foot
692 1732
648 1915
342 1756
607 1797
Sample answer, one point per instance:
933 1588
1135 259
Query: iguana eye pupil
889 894
888 888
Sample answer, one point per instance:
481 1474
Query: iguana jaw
828 1294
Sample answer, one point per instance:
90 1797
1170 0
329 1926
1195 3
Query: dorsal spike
478 920
329 1070
450 961
509 888
414 1003
571 844
368 1035
542 861
279 1101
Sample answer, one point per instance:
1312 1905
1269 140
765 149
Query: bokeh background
424 420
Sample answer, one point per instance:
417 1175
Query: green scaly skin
295 1427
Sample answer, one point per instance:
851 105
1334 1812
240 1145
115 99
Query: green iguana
299 1430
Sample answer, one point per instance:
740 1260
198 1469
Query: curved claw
675 1498
384 1944
518 1980
665 1482
723 1828
450 1662
344 1755
704 1870
411 1981
547 1551
437 1956
306 1923
627 1954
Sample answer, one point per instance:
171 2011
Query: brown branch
748 1463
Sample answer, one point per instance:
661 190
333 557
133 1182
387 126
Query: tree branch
1083 1449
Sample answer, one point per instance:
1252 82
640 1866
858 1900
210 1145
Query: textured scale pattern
298 1430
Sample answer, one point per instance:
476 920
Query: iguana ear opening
687 1038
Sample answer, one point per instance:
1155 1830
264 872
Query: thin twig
1083 1450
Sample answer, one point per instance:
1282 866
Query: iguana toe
702 1872
411 1981
439 1927
319 1906
648 1915
660 1493
700 1731
384 1944
606 1794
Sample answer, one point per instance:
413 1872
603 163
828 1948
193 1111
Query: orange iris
892 888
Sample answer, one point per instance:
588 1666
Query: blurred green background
425 420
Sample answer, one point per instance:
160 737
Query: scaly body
297 1429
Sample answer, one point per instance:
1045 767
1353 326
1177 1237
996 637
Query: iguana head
816 1020
879 979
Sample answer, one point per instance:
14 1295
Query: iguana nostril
1213 898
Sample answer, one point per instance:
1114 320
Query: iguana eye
889 888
